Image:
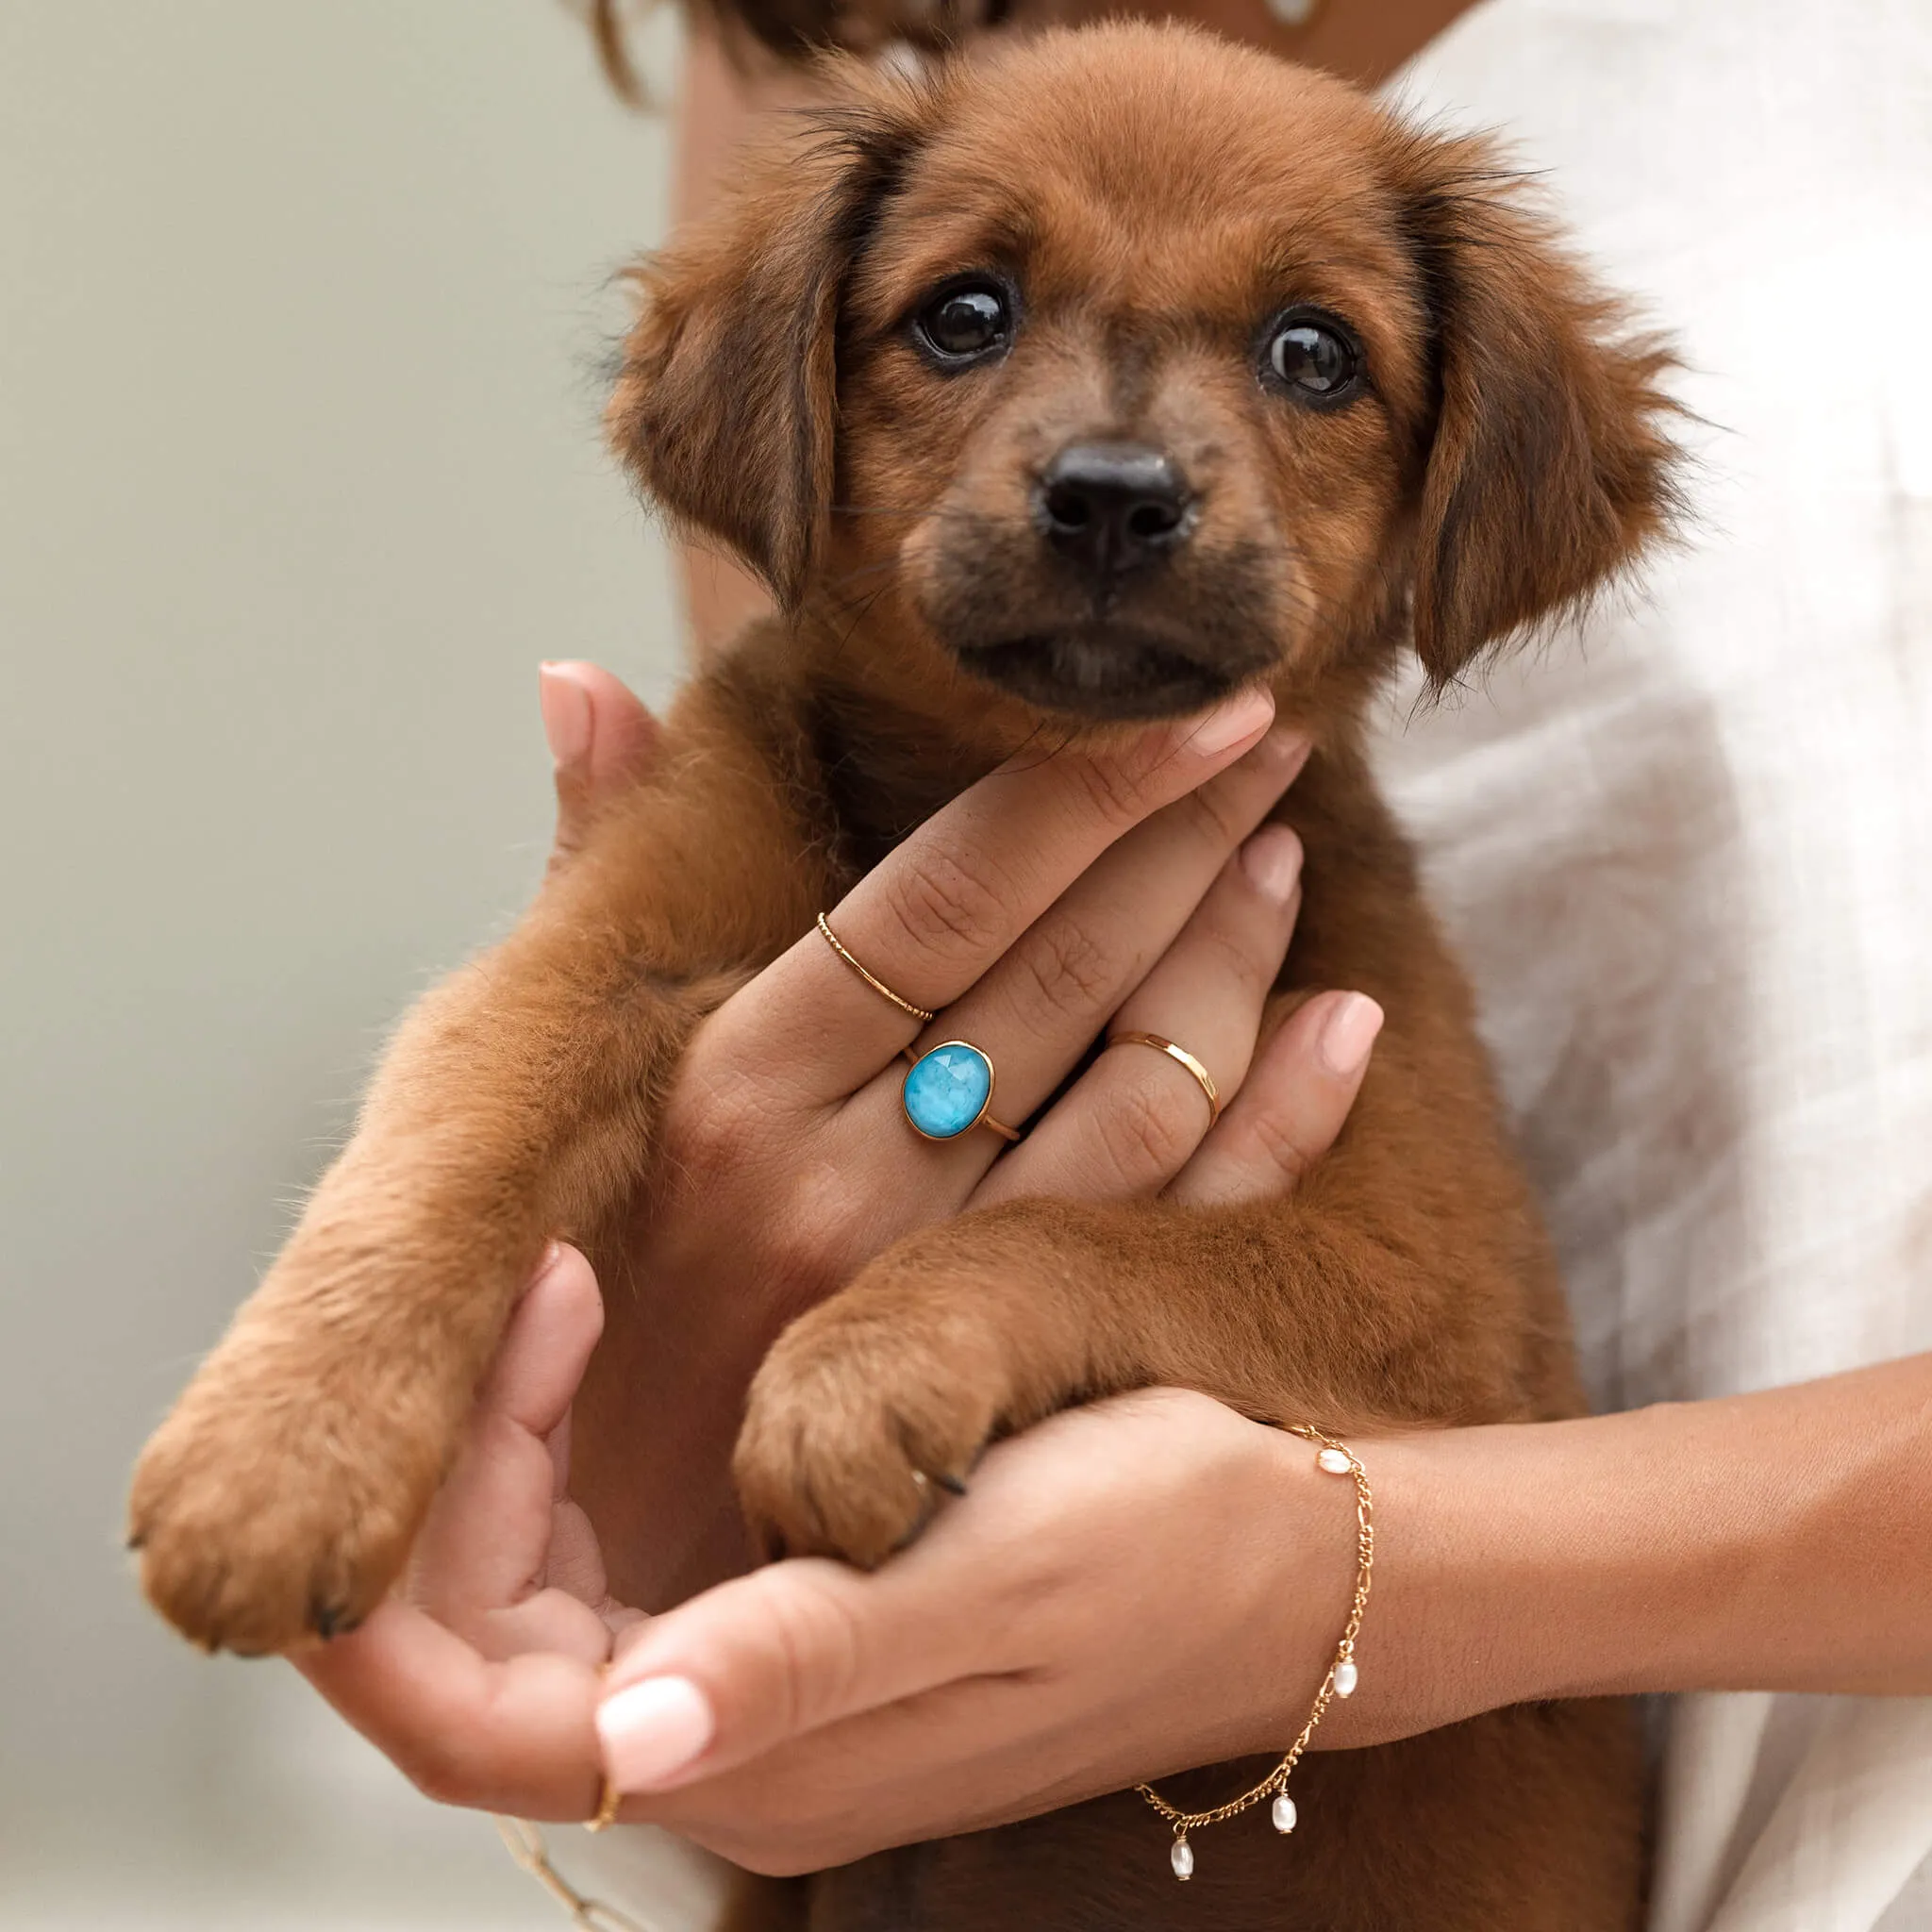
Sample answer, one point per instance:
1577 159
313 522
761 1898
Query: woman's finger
1138 1113
601 738
974 1753
482 1562
936 914
765 1657
546 1345
517 1735
1303 1082
1040 1008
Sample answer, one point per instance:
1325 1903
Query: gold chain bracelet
524 1843
1333 1459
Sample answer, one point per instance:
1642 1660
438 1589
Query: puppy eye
1314 358
966 322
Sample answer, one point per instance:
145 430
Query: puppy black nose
1111 506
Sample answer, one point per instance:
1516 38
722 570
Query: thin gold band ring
1184 1057
877 985
608 1799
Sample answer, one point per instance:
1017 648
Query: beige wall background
299 477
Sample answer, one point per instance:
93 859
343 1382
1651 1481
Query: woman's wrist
1499 1578
1524 1561
1290 1536
1723 1544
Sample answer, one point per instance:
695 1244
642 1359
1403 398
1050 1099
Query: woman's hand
1131 1588
482 1682
1123 1530
478 1678
1134 887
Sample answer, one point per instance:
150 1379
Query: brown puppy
1156 368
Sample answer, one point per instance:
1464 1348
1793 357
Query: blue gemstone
947 1090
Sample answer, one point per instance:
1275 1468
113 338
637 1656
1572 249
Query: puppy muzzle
1099 671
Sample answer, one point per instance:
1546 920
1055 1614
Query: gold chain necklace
1334 1458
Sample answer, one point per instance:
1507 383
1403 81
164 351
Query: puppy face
1122 367
1151 394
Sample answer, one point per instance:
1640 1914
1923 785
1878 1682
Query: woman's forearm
1774 1542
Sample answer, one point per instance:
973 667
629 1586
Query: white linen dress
1688 854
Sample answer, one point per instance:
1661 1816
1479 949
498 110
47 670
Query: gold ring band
608 1799
877 985
1184 1057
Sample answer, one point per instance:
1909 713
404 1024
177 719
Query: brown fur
1157 197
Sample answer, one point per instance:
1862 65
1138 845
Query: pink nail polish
1272 861
1348 1033
566 706
653 1730
1242 716
1285 749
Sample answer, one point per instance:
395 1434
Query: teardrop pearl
1182 1859
1334 1461
1284 1814
1346 1677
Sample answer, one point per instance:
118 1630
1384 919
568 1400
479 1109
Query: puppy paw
269 1514
856 1419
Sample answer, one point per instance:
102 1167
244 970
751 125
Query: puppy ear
726 398
1549 468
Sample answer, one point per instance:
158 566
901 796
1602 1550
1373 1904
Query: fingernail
1272 861
1348 1033
653 1730
1242 716
566 706
1284 750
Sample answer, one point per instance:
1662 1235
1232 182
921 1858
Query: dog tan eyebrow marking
914 250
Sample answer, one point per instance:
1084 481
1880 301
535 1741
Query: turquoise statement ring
948 1090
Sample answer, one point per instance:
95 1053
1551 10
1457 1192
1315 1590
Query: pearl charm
1182 1859
1283 1814
1346 1677
1334 1461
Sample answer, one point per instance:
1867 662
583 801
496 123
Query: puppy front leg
277 1503
1319 1308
